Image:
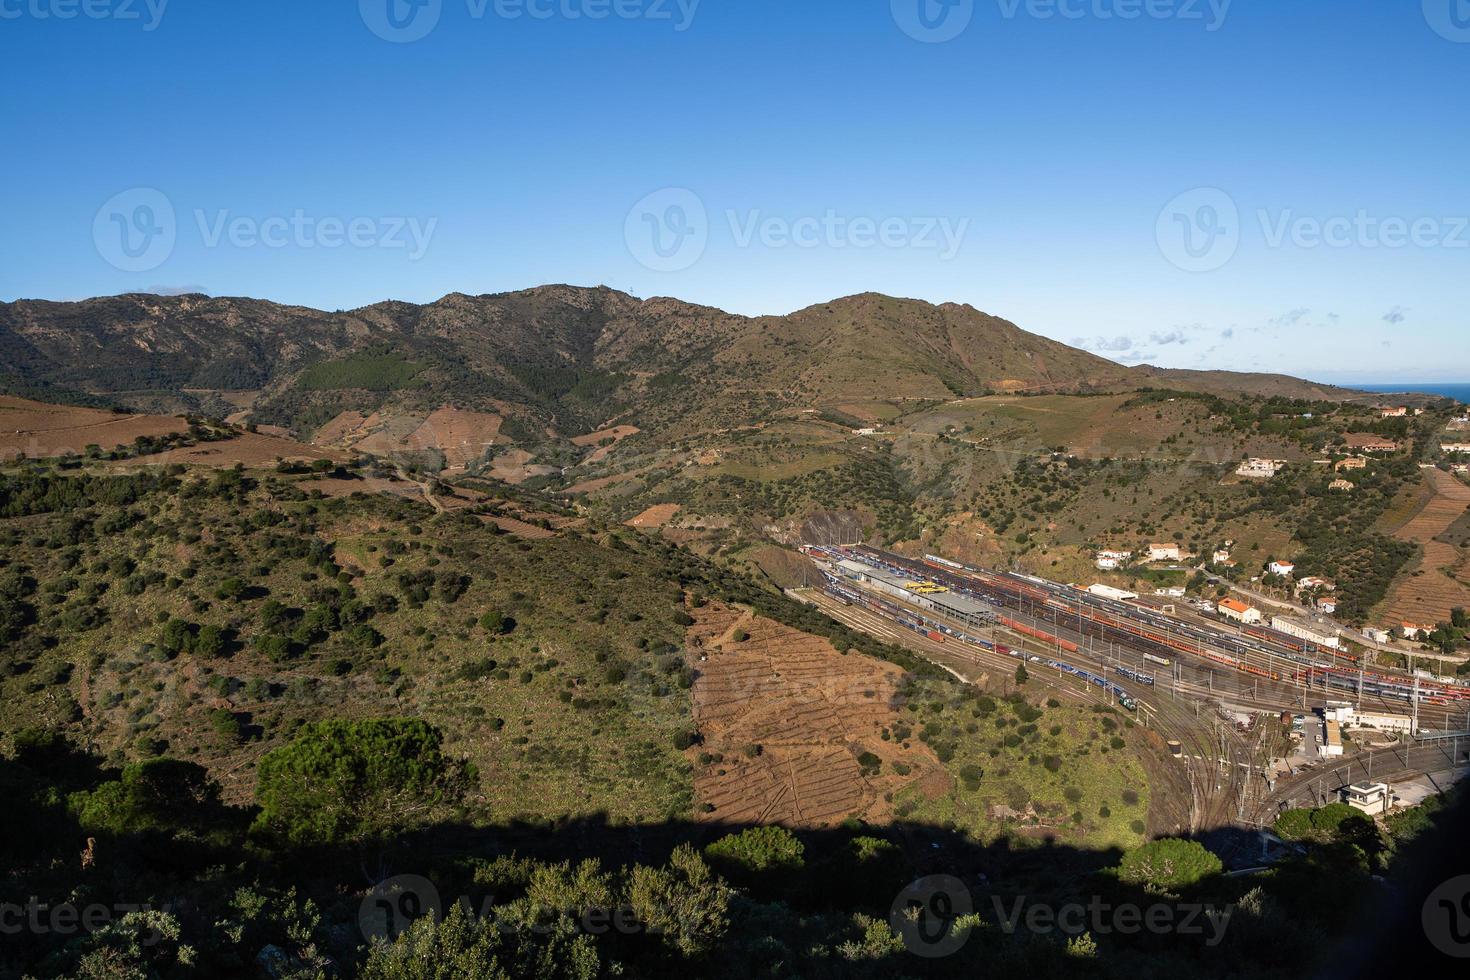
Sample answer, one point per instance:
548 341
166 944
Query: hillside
269 713
562 357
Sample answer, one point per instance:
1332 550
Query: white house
1456 447
1395 412
1327 605
1220 557
1163 552
1376 635
1283 568
1313 582
1109 560
1370 798
1260 469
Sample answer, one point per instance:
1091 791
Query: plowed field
787 718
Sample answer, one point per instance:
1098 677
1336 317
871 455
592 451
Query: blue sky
1258 185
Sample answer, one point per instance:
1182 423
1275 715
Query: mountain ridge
571 357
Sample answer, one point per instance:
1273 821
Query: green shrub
758 849
343 781
1169 863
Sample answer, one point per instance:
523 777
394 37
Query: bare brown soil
249 449
519 528
617 433
340 430
1424 595
463 436
38 430
656 516
515 467
786 717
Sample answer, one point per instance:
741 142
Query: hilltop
563 357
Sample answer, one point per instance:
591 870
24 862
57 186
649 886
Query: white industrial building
1108 592
1321 635
1345 713
958 607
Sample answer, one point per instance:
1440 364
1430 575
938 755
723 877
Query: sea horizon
1458 390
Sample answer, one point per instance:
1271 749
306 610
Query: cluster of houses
1410 631
1110 559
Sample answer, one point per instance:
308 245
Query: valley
613 595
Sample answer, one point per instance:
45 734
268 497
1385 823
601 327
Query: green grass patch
369 371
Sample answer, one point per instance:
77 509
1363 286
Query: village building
1333 744
1260 469
1164 552
1364 443
1352 463
1282 568
1239 611
1373 799
1320 635
1340 485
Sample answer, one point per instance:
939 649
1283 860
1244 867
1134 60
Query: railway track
1288 677
1213 765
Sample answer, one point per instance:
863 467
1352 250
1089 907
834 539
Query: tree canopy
355 781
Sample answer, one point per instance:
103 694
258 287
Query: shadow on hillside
1318 915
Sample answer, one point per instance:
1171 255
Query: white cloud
1104 344
1291 317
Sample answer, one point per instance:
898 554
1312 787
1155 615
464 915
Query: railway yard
1212 695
